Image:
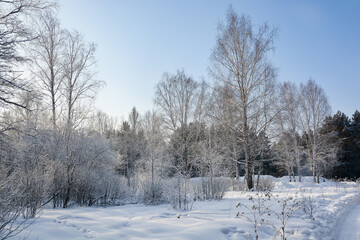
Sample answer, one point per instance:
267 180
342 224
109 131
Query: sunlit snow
208 219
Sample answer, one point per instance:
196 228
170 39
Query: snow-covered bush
33 191
115 190
16 201
174 192
101 188
179 192
205 188
237 185
151 192
265 184
10 203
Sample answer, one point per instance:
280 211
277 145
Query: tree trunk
248 165
128 171
258 178
211 178
67 197
298 167
53 97
152 169
185 198
179 191
314 171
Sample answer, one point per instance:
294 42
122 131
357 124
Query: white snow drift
320 212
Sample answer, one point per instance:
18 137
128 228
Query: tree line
56 149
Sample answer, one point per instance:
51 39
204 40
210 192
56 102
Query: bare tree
13 34
314 109
176 95
79 81
47 52
155 145
201 111
104 124
79 85
154 162
288 122
225 115
239 60
210 159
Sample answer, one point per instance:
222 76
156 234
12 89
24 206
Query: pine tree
336 127
355 145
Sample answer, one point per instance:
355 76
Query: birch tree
47 52
288 122
226 116
80 83
314 109
79 86
176 96
153 164
239 60
154 154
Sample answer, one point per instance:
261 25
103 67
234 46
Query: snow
348 225
210 219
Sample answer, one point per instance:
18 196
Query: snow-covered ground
332 206
348 225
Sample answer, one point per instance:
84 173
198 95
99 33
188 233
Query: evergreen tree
336 128
131 144
354 147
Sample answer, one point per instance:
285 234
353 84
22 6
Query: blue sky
137 41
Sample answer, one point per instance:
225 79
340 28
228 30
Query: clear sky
139 40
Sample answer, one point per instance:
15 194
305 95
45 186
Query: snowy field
329 204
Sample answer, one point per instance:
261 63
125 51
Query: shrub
151 193
238 185
265 184
255 212
309 205
115 191
180 192
204 190
288 205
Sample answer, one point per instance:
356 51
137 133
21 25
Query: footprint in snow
69 222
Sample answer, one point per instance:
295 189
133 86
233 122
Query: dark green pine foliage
346 134
184 149
263 156
130 147
354 147
336 129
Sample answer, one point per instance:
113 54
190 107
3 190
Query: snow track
75 222
336 213
348 225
